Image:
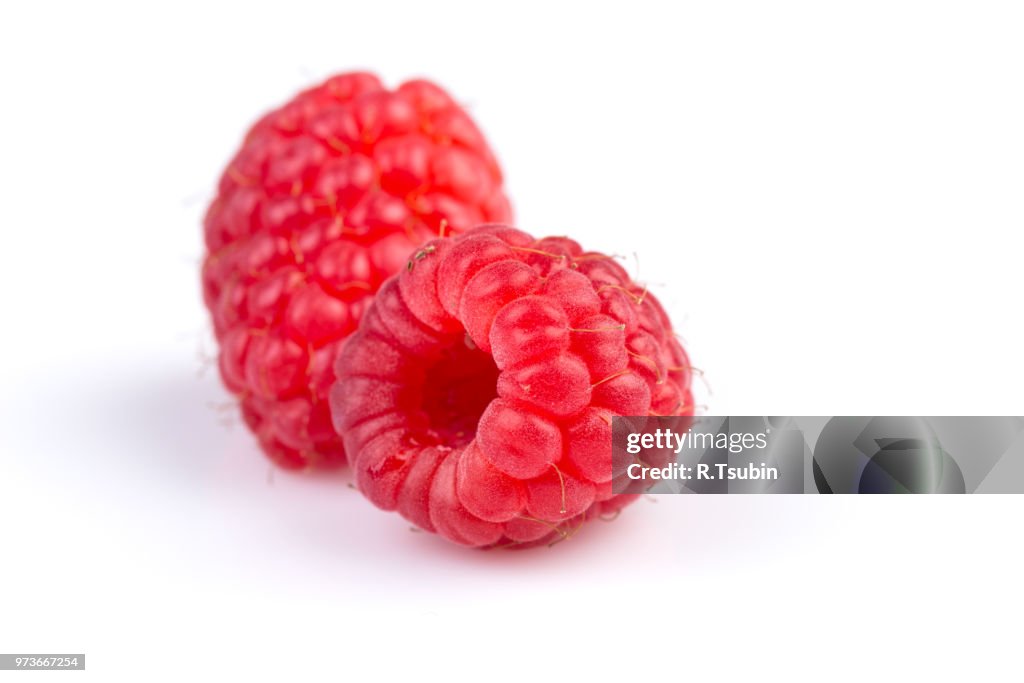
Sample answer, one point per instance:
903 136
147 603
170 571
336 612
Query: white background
827 196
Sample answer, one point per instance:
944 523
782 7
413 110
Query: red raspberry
325 199
476 397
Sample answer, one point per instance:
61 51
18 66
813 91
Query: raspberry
325 199
476 396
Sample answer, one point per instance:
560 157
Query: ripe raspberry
476 397
325 199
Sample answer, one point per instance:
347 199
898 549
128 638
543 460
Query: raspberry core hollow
476 396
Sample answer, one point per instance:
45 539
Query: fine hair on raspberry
324 200
476 397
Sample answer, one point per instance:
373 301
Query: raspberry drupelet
476 396
327 197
